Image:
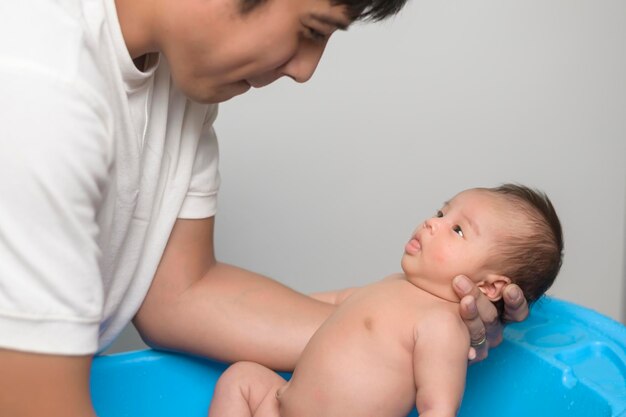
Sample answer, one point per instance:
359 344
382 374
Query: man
109 180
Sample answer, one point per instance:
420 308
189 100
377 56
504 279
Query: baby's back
360 362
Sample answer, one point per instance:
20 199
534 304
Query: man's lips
252 84
413 246
260 82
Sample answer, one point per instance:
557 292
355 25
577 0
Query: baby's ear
493 286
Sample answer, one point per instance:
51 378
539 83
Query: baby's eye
457 229
439 213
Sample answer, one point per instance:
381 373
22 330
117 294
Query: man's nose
304 62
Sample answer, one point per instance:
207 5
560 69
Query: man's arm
44 385
54 165
334 297
198 305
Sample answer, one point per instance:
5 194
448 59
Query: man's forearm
36 385
231 314
334 297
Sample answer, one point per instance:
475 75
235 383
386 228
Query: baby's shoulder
441 323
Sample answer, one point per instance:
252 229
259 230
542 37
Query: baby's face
458 240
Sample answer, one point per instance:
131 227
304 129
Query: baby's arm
440 364
246 389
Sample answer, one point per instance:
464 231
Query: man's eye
457 229
315 35
439 213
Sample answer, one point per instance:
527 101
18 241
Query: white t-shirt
97 160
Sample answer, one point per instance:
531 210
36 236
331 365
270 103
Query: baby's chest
380 325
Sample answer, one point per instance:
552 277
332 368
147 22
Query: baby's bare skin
391 345
372 337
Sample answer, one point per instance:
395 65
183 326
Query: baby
400 342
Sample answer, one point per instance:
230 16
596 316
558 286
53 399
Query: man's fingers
463 286
515 305
472 354
486 310
480 316
472 320
478 334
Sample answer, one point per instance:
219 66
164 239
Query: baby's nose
431 224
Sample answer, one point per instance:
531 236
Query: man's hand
481 317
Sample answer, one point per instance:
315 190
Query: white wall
323 182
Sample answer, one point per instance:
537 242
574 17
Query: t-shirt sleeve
55 150
201 199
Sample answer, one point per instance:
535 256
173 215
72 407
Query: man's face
458 240
215 52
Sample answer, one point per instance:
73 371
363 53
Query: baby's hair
532 258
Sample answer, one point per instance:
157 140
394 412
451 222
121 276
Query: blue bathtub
564 360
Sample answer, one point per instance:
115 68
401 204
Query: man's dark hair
531 258
364 10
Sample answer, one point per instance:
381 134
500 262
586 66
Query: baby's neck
442 291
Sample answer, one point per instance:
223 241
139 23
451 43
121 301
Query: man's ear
493 286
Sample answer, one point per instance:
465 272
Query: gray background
323 182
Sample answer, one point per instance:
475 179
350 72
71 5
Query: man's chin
219 95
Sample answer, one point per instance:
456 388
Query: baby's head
494 236
531 256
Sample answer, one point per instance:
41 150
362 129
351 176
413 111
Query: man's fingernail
462 284
471 307
472 354
514 294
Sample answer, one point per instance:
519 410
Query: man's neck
134 17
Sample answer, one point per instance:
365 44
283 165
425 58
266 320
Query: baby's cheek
445 256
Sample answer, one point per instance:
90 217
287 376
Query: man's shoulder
56 42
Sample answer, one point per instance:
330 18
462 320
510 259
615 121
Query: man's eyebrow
331 21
